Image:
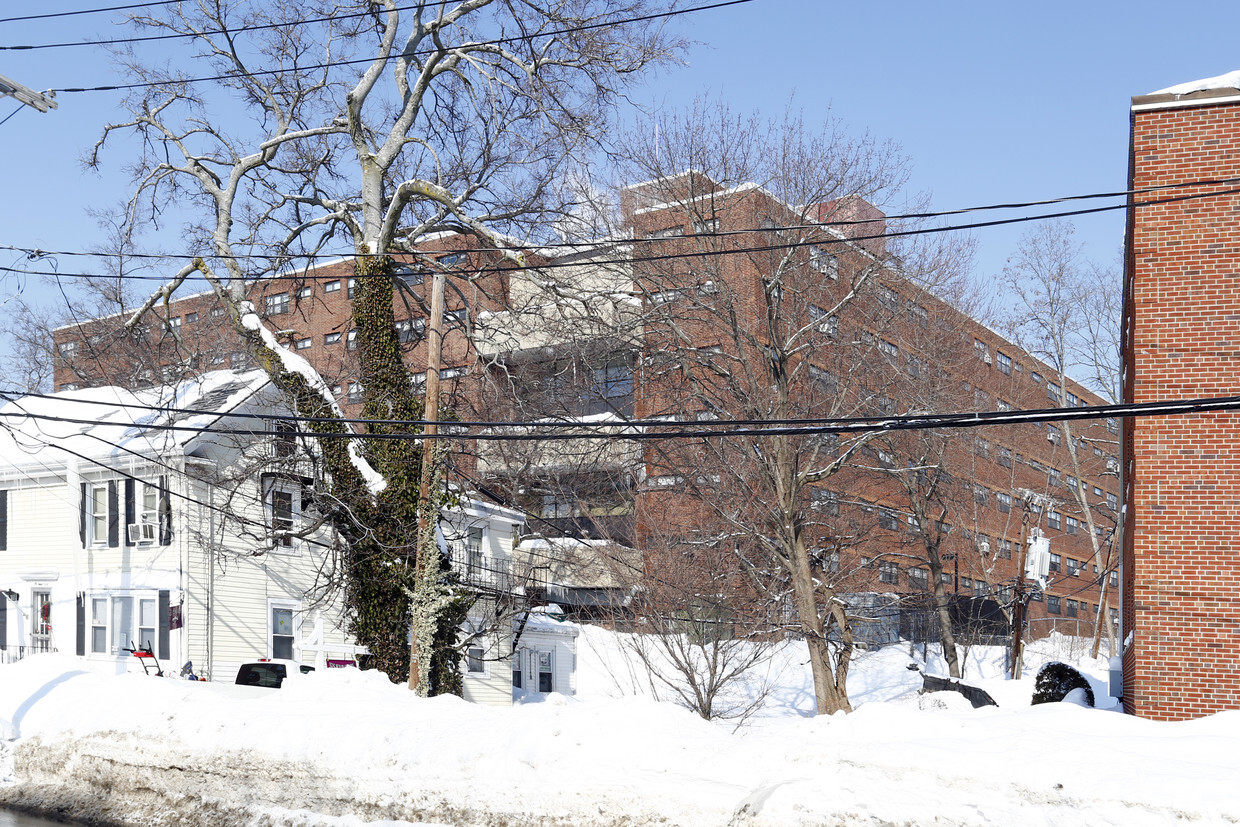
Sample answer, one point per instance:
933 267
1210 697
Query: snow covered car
270 673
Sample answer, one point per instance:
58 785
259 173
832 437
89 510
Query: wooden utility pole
42 101
428 551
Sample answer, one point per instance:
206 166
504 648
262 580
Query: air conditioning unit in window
141 532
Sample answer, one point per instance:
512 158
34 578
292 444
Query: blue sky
992 101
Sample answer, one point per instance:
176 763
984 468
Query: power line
695 254
359 61
185 35
49 15
578 245
708 429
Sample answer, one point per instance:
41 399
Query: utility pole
427 550
42 101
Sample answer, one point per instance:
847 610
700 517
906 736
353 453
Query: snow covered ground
348 748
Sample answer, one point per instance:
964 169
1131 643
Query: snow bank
347 747
1230 80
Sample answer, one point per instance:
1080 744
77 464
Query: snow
1230 80
346 747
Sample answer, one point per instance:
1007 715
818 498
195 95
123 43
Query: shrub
1055 680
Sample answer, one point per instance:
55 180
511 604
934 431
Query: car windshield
270 675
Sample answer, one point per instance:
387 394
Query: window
1073 568
1052 478
827 323
352 287
546 674
282 632
99 625
1005 457
1071 480
1071 608
190 318
980 588
1073 525
282 498
1052 392
303 293
1052 519
1073 400
331 338
1036 377
1113 579
331 287
410 330
102 512
824 262
1003 362
824 500
410 275
175 322
887 519
474 663
239 361
611 388
304 344
1054 565
919 313
981 495
1052 604
981 447
277 304
886 460
966 584
706 225
1052 434
667 232
823 379
473 548
888 572
916 366
355 393
217 312
1005 549
1003 502
889 298
1003 405
919 578
1113 502
351 341
284 439
516 668
1112 425
980 350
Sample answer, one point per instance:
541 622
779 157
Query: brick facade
1182 475
909 343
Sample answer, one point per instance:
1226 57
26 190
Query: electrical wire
11 114
49 15
708 429
535 248
230 32
699 254
359 61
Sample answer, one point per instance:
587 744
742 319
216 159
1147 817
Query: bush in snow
1056 680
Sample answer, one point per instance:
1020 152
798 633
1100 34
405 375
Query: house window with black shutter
100 514
4 523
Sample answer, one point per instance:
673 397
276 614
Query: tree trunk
830 691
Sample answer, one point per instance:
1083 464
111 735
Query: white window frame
145 493
113 648
94 518
272 485
274 603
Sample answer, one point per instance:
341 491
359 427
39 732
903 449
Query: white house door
539 670
41 630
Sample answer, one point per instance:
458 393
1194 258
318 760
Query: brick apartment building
671 324
1181 572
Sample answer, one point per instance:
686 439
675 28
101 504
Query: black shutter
4 521
81 624
165 513
82 516
130 514
164 604
4 622
114 516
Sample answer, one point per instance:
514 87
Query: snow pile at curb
349 748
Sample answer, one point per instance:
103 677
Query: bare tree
755 308
371 125
1066 312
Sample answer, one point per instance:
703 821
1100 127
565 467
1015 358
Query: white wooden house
164 519
133 519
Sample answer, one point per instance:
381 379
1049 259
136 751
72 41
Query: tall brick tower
1181 564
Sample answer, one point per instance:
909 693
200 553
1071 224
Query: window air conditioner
141 532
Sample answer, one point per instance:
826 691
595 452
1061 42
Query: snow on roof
114 422
1230 80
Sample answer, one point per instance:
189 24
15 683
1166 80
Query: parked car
270 673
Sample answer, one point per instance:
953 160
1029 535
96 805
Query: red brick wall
1182 569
